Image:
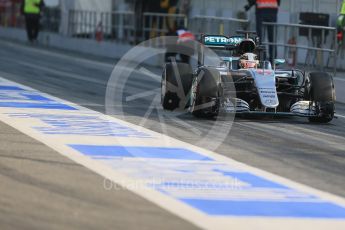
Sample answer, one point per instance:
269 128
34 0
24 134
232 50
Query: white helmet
249 61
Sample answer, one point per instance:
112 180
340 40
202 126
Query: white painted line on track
338 115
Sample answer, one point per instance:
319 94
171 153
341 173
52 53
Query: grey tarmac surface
57 190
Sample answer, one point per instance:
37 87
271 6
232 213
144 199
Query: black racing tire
206 90
172 96
321 91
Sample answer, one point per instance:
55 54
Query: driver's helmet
249 61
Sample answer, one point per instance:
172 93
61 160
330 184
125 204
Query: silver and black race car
242 82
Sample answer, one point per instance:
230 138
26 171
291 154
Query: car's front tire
175 86
322 93
205 95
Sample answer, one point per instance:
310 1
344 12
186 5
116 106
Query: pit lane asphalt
46 184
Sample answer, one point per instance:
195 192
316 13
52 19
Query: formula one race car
239 82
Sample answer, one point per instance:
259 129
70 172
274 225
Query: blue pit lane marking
17 97
194 184
6 87
34 97
25 105
255 181
268 209
104 152
83 125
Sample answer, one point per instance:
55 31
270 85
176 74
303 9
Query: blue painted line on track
38 98
15 88
268 209
245 201
83 125
255 181
24 105
17 97
140 152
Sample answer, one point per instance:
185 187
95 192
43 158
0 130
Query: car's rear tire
205 95
321 91
174 96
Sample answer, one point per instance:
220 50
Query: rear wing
221 41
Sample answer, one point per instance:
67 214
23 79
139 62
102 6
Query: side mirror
278 62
